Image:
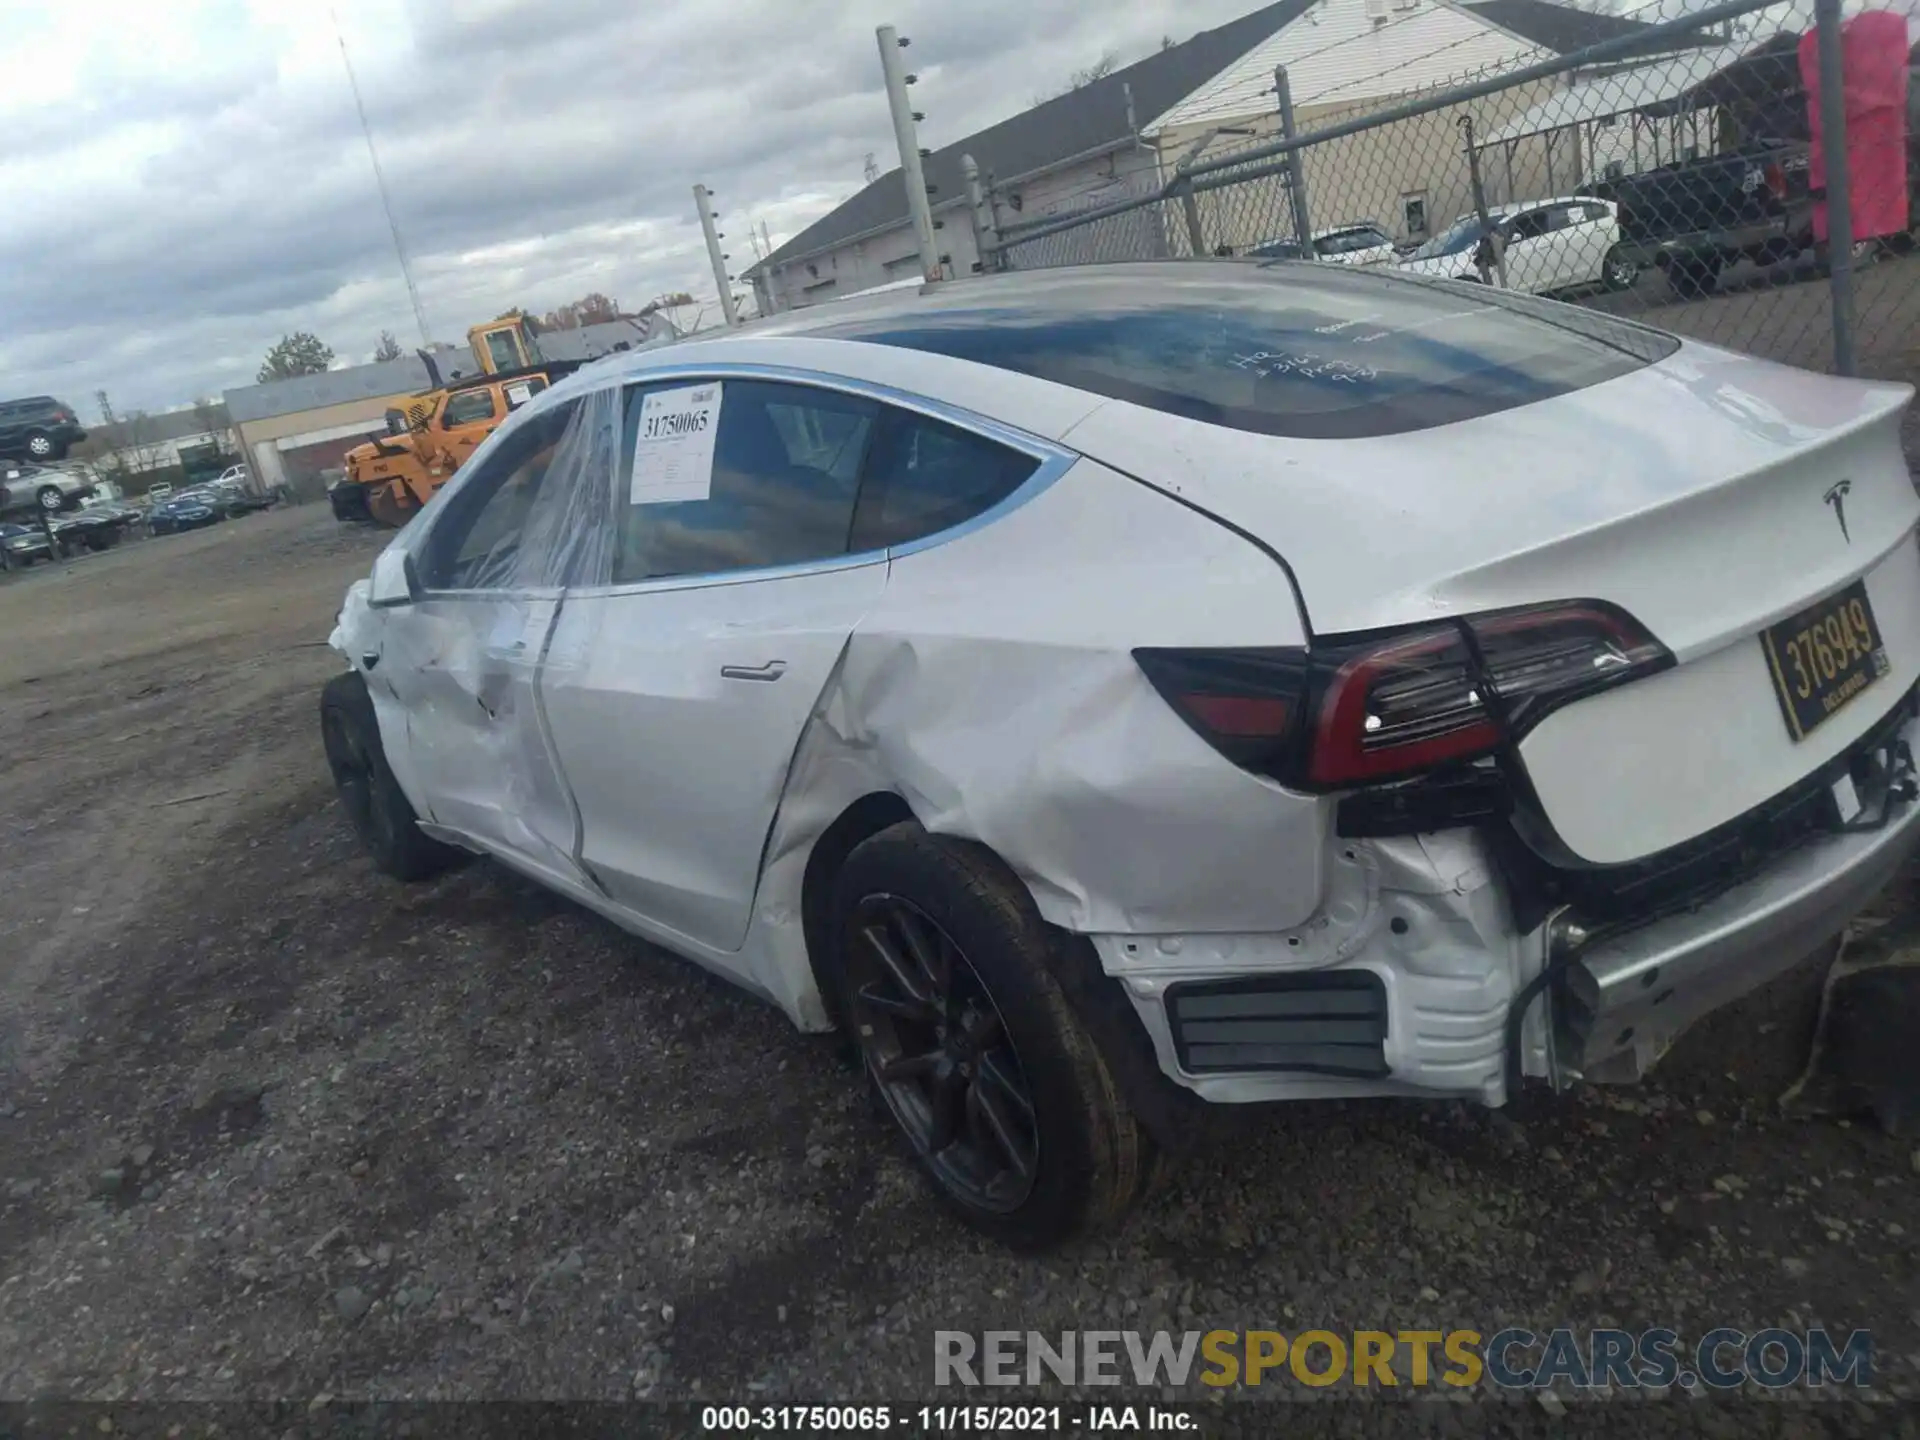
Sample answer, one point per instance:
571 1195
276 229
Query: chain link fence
1683 172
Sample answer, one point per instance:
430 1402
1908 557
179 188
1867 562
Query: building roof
331 387
1080 122
1564 30
590 342
154 429
1347 51
1343 51
1620 92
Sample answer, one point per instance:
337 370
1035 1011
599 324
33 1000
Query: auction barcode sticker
673 445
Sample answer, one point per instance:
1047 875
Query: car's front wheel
377 807
943 979
42 446
1617 272
50 499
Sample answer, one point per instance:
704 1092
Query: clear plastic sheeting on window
545 492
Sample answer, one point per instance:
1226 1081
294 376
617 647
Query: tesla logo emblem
1836 496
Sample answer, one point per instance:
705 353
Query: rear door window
926 476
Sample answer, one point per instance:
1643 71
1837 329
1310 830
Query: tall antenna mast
380 180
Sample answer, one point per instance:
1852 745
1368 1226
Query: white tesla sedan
1547 245
1107 692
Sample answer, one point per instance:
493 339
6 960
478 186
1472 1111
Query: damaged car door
462 657
678 692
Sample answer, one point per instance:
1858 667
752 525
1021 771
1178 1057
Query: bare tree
387 349
127 444
1080 79
211 416
871 169
590 309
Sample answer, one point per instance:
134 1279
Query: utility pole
986 238
1834 159
908 139
380 184
703 201
1296 165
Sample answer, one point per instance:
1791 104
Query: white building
1123 134
1078 149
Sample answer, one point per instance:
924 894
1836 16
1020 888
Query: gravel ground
271 1125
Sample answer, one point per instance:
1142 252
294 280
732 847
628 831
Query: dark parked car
21 546
229 497
182 512
38 428
97 528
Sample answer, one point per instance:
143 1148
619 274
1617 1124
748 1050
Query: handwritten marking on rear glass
1270 363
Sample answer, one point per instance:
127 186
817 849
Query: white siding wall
880 259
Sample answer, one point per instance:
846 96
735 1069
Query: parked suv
52 488
38 428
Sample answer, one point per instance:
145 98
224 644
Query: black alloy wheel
941 1055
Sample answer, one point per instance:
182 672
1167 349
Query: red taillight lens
1776 178
1355 712
1241 716
1406 705
1245 703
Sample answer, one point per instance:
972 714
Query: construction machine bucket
392 504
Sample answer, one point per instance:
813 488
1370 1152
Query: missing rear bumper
1624 996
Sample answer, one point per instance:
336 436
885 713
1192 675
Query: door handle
772 670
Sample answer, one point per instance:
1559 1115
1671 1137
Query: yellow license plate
1823 657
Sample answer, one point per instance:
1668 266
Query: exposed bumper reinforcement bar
1624 998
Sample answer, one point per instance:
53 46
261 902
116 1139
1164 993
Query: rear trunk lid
1709 495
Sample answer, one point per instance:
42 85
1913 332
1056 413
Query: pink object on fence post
1873 49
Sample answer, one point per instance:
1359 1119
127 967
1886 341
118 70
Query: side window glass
768 477
518 392
484 539
467 407
1531 225
927 476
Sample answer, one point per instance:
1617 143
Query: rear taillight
1350 712
1776 179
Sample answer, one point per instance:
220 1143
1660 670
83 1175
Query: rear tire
42 446
49 499
1694 278
1039 1144
376 806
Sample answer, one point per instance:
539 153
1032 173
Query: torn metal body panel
1424 915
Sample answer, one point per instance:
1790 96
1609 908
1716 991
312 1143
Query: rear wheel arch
865 817
1177 1119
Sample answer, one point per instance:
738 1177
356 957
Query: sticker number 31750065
673 445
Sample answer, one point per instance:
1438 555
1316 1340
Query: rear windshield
1280 348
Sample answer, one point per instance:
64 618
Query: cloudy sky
188 181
